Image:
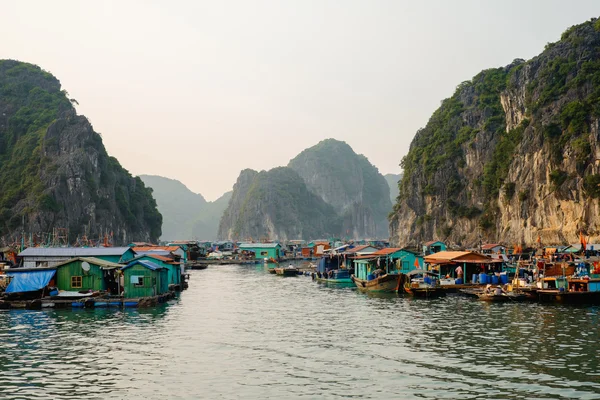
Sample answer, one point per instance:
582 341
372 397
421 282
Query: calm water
239 332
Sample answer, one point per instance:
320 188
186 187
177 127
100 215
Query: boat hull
426 293
554 296
286 271
383 284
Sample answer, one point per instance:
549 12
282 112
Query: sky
199 90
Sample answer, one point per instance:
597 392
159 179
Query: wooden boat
501 298
575 291
385 283
286 271
330 270
198 266
425 286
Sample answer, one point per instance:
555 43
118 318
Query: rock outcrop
350 183
276 204
512 156
55 172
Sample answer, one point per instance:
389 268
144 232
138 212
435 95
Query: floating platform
89 302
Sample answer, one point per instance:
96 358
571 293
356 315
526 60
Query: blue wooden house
433 247
263 250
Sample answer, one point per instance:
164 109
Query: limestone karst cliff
350 183
327 190
276 204
512 155
55 172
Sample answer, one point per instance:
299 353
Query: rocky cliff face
512 155
275 204
54 169
350 183
393 180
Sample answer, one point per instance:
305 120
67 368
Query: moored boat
286 271
330 270
384 283
423 284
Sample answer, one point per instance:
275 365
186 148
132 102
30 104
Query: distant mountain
327 190
392 181
186 215
350 183
276 204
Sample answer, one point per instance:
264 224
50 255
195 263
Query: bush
557 178
591 185
509 190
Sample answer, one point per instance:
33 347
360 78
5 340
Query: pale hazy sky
199 90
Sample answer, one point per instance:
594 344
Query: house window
137 280
264 253
76 281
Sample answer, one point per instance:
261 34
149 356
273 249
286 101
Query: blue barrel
483 278
504 279
458 281
427 280
474 278
370 277
494 280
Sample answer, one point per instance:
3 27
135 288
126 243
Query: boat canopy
29 280
328 263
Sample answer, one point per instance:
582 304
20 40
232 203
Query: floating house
319 247
174 268
87 273
473 265
493 248
142 278
263 250
433 247
392 260
35 257
161 251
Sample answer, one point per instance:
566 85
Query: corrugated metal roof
156 248
147 264
73 251
92 260
433 242
386 251
259 245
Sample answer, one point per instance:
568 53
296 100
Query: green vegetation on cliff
529 129
54 170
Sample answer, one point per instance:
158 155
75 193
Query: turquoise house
173 268
263 250
143 278
433 247
392 260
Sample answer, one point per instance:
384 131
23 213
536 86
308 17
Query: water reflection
241 332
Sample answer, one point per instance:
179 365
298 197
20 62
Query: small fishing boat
423 284
501 298
290 270
384 283
331 270
197 265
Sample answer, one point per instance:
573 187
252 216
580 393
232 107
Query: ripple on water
240 332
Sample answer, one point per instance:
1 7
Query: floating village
144 274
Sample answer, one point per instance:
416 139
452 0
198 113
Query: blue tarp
29 281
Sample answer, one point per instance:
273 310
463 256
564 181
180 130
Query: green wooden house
87 273
142 278
173 268
263 250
